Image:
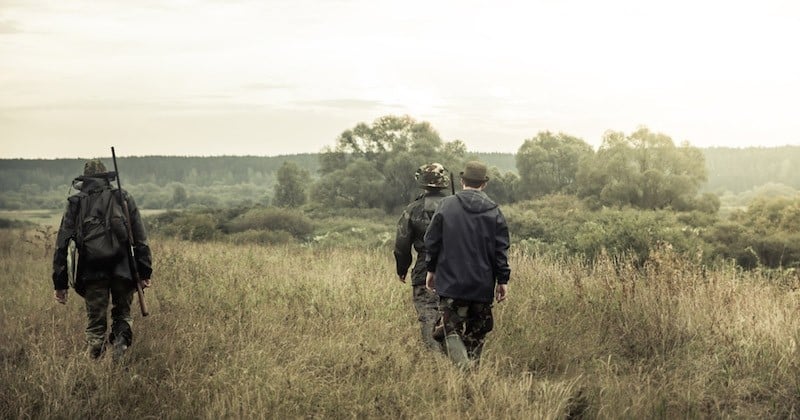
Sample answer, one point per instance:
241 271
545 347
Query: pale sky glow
213 77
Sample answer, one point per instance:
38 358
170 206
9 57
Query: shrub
194 226
13 224
271 219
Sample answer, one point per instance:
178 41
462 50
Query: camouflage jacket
68 230
411 232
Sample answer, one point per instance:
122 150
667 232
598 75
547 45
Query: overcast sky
213 77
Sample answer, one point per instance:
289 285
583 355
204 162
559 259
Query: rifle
452 185
131 255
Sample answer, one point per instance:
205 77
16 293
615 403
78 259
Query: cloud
353 104
9 27
266 86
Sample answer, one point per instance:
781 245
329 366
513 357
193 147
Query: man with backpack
99 266
410 232
467 263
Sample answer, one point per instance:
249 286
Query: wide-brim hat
474 171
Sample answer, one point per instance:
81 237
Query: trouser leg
479 323
122 321
454 315
427 305
96 299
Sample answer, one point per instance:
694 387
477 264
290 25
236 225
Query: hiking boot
94 351
456 351
120 347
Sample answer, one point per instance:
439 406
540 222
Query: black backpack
101 231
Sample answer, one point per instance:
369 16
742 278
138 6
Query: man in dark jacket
410 232
94 281
467 263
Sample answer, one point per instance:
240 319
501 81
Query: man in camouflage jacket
410 233
96 283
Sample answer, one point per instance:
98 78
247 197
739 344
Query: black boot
120 347
94 351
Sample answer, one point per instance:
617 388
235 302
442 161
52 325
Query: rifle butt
142 302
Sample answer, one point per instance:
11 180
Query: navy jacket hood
475 201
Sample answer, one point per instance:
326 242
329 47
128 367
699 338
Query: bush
14 224
271 219
193 226
561 225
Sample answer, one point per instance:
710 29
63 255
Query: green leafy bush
193 226
271 219
14 224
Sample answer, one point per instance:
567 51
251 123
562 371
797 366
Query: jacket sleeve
433 242
141 250
66 231
502 271
402 244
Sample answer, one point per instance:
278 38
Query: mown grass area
39 217
248 331
50 217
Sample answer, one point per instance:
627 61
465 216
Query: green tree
548 164
768 233
502 188
290 190
358 185
384 156
179 195
644 170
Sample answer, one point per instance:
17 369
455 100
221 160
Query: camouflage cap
432 175
94 167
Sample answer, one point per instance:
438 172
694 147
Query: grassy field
304 332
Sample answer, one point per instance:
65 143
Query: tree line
638 191
370 166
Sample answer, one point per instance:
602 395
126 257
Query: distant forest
46 174
730 171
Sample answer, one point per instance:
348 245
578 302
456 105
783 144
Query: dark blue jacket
467 243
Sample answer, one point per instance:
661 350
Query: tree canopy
374 165
548 164
290 190
643 170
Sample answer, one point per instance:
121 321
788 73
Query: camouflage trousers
98 294
470 320
427 305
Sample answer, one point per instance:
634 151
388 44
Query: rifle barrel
131 253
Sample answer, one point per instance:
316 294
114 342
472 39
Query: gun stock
131 254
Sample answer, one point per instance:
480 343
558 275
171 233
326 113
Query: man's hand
61 296
402 277
500 292
430 280
145 283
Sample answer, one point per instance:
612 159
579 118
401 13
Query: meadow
293 331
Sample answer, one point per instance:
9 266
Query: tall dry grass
289 331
